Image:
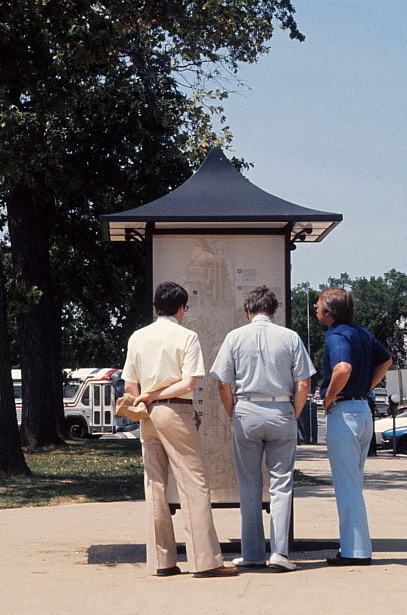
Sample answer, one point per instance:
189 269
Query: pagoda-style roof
217 196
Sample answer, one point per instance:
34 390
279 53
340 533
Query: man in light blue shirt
270 370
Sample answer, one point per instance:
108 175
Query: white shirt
162 353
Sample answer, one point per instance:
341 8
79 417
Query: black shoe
221 571
338 560
168 572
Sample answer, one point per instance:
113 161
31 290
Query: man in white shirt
163 363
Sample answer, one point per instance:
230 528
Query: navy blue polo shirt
357 346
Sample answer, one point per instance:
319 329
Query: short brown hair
339 303
261 301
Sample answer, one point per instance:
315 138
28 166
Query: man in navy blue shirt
354 363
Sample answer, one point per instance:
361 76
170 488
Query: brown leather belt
173 400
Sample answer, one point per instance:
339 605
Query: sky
325 125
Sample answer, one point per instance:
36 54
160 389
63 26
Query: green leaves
105 106
83 471
23 297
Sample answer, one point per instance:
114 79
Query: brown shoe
221 571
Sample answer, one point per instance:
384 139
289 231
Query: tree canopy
103 106
102 100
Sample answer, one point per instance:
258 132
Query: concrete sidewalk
90 558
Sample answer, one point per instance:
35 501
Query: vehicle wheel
402 446
77 428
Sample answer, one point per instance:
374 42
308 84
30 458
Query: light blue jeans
264 430
349 431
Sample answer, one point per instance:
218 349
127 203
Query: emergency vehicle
89 400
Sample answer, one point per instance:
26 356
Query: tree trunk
38 334
12 460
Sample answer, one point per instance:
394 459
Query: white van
89 400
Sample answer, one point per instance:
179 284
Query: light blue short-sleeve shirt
262 359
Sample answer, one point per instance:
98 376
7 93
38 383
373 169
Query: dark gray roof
218 193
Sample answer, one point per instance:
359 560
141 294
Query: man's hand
147 398
226 397
301 392
328 401
340 376
177 389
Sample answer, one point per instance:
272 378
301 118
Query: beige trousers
170 439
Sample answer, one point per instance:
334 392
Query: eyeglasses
186 308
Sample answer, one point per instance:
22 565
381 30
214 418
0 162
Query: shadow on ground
311 550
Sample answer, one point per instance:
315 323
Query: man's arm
226 397
186 385
379 372
340 376
301 392
132 388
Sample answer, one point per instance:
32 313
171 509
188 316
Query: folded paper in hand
124 407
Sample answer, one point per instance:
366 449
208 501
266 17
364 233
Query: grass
302 480
85 471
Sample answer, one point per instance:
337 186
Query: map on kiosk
217 271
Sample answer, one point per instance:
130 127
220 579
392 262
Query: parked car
381 401
381 425
401 439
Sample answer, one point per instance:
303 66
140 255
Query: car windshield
402 415
70 390
17 391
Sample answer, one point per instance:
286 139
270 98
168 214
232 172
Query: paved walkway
90 558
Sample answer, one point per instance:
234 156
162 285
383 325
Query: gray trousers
264 430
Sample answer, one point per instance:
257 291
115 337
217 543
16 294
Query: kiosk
219 236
